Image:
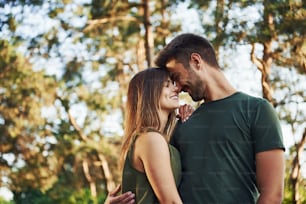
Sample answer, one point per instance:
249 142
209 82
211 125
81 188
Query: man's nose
178 87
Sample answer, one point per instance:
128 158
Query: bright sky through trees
63 49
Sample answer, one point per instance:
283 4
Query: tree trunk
296 169
219 17
141 55
92 184
110 184
264 66
149 40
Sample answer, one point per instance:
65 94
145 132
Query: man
231 147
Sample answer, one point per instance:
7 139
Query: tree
23 94
106 39
83 59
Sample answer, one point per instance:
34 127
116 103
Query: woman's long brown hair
142 106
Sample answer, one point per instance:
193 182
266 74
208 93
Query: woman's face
169 99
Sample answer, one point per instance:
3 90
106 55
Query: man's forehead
171 64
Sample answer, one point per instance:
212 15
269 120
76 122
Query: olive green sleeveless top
138 183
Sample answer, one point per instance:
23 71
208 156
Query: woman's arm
113 198
152 150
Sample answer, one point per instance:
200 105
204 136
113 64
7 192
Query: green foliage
23 94
288 189
97 46
31 196
62 196
54 148
4 201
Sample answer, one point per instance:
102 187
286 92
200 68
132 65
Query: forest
65 66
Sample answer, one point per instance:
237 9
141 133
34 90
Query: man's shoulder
250 98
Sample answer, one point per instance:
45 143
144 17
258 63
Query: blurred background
65 66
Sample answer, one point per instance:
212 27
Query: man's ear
195 59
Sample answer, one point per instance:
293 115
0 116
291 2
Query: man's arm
270 171
126 198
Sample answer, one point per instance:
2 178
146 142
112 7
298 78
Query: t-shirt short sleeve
266 130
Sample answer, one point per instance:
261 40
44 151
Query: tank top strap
131 150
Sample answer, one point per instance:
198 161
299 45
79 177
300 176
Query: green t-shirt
218 144
137 182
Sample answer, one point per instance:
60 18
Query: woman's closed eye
170 82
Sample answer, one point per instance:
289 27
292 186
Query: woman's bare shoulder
151 137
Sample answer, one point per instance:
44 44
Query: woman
151 166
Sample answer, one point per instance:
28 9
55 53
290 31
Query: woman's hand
125 198
184 112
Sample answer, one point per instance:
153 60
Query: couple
230 148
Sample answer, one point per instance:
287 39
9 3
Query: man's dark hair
181 48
